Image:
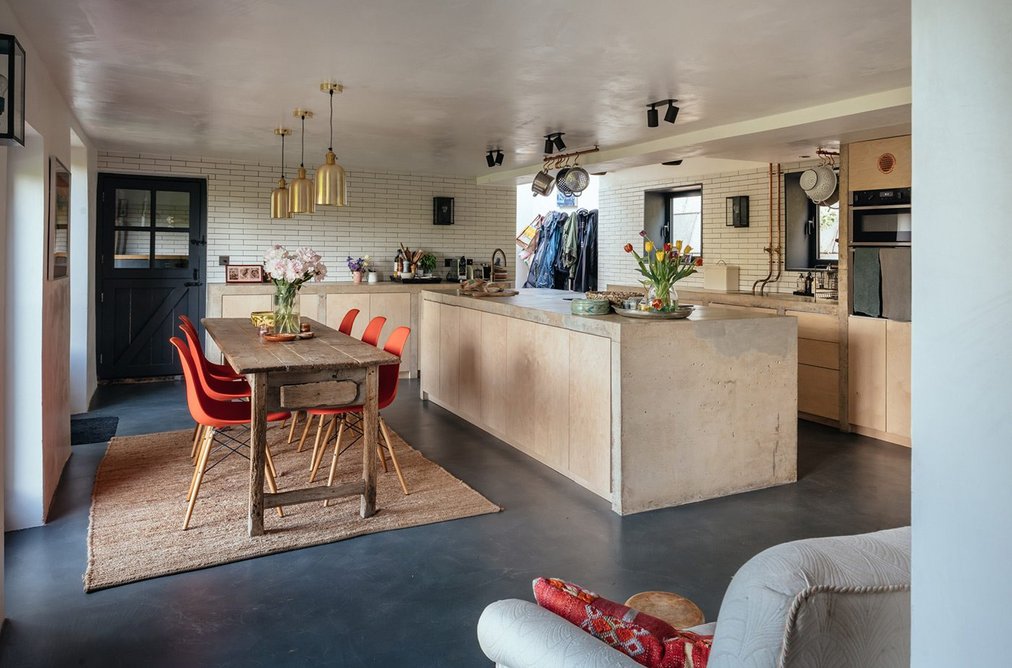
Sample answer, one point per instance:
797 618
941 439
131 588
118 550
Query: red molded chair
214 415
371 336
348 321
388 376
223 371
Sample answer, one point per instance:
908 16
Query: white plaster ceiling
430 86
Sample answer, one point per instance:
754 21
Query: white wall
621 219
82 279
962 367
36 355
385 209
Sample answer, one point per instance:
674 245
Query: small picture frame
244 273
58 225
565 201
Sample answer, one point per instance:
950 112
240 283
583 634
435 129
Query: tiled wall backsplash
621 212
385 209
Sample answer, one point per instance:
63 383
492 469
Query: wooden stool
676 610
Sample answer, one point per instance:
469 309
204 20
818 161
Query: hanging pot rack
563 159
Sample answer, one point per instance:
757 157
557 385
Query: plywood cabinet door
449 354
240 306
590 411
819 391
898 378
493 366
880 164
867 362
521 381
429 348
470 371
339 304
396 308
551 395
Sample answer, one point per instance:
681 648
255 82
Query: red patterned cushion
648 640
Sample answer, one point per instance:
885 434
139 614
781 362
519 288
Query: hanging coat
585 278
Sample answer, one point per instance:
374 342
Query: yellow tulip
649 246
678 245
660 256
687 250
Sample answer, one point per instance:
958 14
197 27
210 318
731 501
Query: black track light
499 155
554 142
672 113
494 157
490 159
549 144
652 116
559 144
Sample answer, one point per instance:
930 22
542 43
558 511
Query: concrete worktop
552 307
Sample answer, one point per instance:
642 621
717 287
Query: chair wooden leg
198 475
322 448
198 432
295 421
393 457
318 442
305 431
207 443
382 456
272 475
333 461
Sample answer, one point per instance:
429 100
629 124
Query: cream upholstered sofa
838 602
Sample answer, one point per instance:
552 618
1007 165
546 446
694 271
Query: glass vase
286 309
667 295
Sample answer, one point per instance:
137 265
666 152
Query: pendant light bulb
300 199
280 207
331 180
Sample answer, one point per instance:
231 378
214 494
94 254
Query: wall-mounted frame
737 211
12 90
442 211
244 273
58 226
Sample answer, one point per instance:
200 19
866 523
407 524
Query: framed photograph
244 273
58 225
565 201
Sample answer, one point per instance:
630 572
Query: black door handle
192 284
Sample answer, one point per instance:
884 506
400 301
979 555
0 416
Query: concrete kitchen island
647 414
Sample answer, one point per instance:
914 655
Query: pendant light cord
282 155
331 147
302 158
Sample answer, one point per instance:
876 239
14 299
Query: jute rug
138 505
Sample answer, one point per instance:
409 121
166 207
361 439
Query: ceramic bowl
590 307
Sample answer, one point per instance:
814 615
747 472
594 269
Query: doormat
92 429
139 500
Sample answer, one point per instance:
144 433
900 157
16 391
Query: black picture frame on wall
12 100
58 224
442 211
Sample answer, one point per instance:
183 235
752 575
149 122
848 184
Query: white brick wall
621 219
385 209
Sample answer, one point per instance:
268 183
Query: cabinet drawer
816 326
825 354
819 391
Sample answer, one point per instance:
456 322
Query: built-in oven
881 217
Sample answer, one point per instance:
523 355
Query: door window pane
172 209
829 232
133 208
172 250
132 249
687 219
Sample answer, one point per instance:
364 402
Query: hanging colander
560 181
576 180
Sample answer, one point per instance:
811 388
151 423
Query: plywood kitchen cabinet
339 304
879 361
818 364
880 164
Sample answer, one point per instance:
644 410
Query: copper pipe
769 247
780 226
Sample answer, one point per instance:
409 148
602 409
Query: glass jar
286 309
668 297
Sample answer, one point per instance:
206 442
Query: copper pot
543 183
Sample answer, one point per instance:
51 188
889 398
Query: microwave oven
881 217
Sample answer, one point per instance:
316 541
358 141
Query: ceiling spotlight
672 163
554 141
652 116
499 155
672 113
493 158
490 159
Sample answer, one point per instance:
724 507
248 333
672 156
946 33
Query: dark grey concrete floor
412 597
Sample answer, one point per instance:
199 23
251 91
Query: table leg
370 425
258 451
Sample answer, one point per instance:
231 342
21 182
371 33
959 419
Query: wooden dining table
331 369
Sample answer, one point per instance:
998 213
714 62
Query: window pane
133 208
687 220
173 209
132 249
829 232
172 250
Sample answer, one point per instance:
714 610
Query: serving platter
681 313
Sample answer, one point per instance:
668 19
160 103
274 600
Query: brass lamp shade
301 198
331 184
279 201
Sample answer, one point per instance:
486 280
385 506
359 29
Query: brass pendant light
301 199
331 183
279 196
